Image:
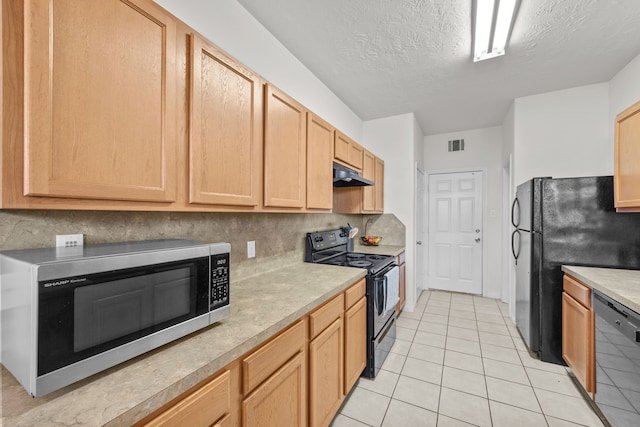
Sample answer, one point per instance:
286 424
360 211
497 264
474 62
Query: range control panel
219 281
327 239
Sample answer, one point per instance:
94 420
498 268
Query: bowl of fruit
371 240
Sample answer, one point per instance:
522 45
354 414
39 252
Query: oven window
107 311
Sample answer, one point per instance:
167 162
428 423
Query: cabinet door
342 147
202 407
281 399
627 159
578 343
355 343
379 186
100 115
402 287
355 155
368 172
284 151
348 151
225 138
326 374
319 163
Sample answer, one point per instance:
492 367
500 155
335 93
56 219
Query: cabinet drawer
577 290
325 315
200 408
269 358
401 258
354 293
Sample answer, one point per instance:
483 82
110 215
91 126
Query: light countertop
260 307
379 250
620 285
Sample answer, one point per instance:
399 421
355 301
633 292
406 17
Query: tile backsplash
279 237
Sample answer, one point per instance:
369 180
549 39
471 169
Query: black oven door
82 316
385 296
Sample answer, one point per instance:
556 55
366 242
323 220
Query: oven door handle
379 294
386 293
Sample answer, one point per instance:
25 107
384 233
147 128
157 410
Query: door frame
421 265
484 171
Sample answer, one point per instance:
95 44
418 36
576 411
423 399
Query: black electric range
330 247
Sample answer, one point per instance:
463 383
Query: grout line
508 323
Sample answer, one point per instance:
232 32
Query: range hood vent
347 177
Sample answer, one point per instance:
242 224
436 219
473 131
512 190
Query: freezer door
521 212
523 287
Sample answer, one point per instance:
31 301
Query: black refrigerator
562 221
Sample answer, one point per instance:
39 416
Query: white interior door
455 232
421 232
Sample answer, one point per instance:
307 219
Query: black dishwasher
617 347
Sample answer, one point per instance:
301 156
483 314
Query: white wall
624 91
393 139
418 143
508 193
508 134
482 150
228 25
563 134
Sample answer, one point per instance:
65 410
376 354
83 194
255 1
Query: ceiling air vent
456 145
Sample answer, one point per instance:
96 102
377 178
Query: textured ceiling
388 57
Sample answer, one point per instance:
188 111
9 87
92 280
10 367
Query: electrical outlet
69 240
251 249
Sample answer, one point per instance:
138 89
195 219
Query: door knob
478 240
419 242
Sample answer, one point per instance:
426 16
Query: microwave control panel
219 281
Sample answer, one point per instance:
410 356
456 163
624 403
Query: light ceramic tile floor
458 360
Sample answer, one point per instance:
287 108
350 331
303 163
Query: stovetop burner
354 255
360 264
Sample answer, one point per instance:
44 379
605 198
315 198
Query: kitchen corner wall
388 226
394 140
563 134
279 237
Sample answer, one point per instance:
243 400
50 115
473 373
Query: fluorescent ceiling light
491 37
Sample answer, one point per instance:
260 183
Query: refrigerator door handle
513 210
515 253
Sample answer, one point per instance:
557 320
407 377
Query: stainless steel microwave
68 313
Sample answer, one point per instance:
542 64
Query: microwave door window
171 295
108 311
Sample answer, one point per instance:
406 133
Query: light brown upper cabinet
348 151
369 199
284 151
99 100
368 172
225 137
379 185
319 163
627 160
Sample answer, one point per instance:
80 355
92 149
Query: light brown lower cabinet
281 400
326 374
402 291
355 343
578 341
206 405
300 377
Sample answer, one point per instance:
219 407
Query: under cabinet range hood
347 177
